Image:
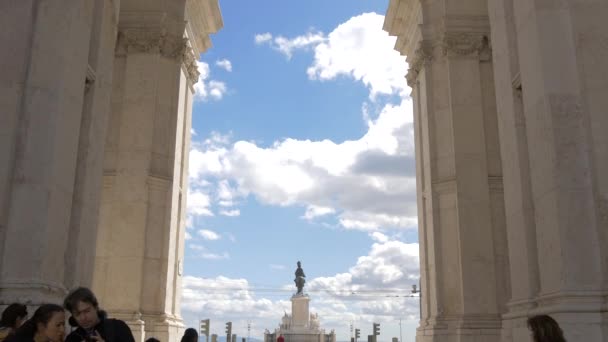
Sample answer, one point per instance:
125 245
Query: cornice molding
203 18
402 21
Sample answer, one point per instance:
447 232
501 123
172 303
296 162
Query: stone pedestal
300 326
299 310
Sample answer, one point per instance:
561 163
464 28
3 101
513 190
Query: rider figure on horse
300 278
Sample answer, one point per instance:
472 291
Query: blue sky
302 149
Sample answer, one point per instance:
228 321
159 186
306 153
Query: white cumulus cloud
368 183
231 213
208 89
315 211
287 46
262 38
224 64
199 203
209 234
357 48
373 290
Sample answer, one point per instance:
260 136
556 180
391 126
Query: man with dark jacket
93 324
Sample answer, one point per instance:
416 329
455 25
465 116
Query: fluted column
562 69
53 107
140 243
462 232
519 206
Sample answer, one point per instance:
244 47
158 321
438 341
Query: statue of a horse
300 281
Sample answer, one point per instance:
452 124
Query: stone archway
510 114
511 200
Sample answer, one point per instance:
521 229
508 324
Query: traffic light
357 331
229 329
205 327
376 329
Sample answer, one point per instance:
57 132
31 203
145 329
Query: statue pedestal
300 326
299 310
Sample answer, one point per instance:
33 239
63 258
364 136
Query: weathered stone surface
92 134
507 96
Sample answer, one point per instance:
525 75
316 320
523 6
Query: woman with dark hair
545 329
190 335
12 318
46 325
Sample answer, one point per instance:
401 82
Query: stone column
140 243
519 207
52 51
464 263
562 66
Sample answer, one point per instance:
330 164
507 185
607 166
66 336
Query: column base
166 328
582 315
470 328
31 292
133 320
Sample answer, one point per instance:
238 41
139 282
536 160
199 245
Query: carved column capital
473 44
144 40
422 56
190 66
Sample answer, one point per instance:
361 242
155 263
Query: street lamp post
414 291
400 336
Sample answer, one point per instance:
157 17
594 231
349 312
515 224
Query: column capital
422 55
474 44
147 40
190 66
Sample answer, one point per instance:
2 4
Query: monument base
300 326
299 311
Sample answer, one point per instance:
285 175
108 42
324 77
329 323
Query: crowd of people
87 321
91 324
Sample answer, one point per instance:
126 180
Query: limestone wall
54 99
544 248
95 117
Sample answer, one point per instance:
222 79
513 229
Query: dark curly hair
42 315
545 329
80 294
11 314
190 335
